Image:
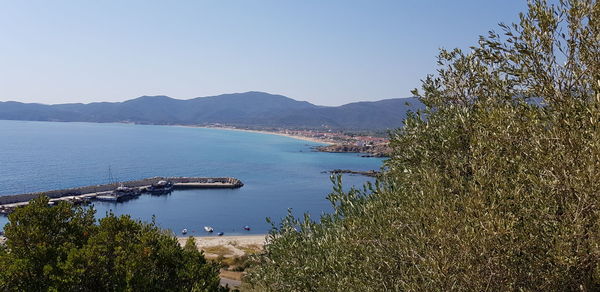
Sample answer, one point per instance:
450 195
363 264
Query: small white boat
208 229
184 231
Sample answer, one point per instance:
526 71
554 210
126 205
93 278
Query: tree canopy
61 248
494 186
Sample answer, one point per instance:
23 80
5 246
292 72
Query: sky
328 52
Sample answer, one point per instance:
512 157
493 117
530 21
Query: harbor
278 172
120 191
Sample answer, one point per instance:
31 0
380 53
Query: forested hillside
250 109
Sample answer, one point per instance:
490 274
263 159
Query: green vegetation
494 186
61 248
217 250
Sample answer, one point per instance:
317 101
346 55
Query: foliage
61 248
492 187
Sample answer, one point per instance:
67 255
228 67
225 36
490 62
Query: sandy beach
310 139
210 241
228 246
227 249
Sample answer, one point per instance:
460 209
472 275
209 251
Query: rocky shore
382 150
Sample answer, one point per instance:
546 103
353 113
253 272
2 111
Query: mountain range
249 109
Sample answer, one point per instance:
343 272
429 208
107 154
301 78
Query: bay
278 172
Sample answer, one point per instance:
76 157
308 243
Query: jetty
371 173
86 193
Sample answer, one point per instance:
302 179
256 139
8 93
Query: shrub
494 186
61 248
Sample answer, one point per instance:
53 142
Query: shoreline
230 251
210 240
315 140
309 139
205 240
258 240
232 246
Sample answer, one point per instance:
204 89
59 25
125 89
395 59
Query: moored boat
121 193
161 187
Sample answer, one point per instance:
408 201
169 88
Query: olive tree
494 186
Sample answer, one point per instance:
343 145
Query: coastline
309 139
229 251
316 140
215 240
227 246
209 240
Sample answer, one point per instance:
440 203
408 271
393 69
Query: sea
279 173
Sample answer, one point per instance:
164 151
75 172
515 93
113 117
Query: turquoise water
278 172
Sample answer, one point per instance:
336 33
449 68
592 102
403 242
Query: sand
227 246
239 245
310 139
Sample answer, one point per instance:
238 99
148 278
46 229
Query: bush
62 249
494 186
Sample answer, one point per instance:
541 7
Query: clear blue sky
326 52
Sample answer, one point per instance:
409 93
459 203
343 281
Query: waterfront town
337 141
338 137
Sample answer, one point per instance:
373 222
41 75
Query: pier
9 202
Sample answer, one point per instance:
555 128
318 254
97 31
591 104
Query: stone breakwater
371 173
91 191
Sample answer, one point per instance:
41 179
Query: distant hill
249 109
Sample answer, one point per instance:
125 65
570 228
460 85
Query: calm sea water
278 172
